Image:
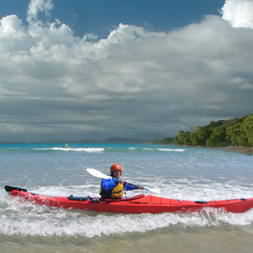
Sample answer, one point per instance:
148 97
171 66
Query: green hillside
234 132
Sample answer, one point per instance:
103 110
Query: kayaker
114 187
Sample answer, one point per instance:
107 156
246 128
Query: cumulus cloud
37 7
239 13
132 83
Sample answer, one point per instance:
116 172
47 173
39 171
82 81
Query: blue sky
101 16
75 70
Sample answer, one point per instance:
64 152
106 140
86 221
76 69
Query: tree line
234 132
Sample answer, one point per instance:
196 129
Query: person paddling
114 187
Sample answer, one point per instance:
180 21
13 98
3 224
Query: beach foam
28 219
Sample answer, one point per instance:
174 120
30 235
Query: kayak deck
137 204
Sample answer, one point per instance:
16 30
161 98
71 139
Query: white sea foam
28 219
73 149
164 149
91 150
171 149
109 149
39 221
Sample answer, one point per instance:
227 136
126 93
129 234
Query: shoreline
239 149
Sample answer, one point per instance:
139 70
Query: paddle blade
99 174
96 173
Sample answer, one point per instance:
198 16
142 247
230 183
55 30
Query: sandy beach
240 149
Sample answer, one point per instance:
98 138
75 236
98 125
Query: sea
179 172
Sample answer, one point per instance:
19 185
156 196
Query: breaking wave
111 149
22 218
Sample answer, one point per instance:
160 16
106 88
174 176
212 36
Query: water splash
24 218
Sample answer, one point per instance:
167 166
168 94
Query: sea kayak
137 204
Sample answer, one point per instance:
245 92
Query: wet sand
240 149
208 240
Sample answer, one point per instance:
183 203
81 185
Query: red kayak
137 204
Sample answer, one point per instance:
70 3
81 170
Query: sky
101 69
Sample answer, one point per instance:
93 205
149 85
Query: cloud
238 13
133 83
37 7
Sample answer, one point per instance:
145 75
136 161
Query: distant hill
233 132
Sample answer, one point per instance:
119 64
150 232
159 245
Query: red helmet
116 167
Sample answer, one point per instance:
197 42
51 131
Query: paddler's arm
130 187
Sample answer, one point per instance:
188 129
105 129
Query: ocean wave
72 149
109 149
152 149
24 218
171 149
29 221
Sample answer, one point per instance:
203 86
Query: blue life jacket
113 188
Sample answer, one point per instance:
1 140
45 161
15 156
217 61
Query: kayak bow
137 204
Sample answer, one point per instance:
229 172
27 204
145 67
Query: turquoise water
179 172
